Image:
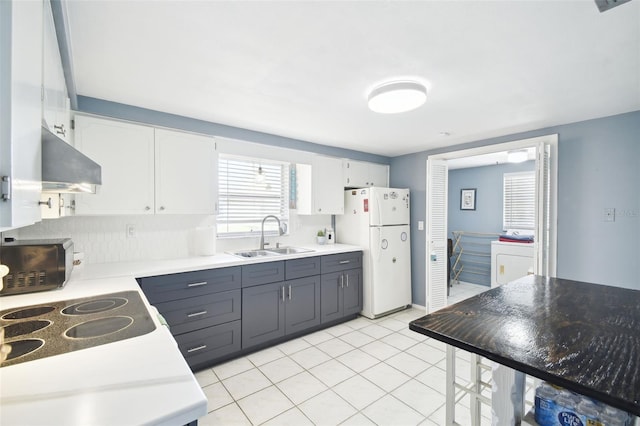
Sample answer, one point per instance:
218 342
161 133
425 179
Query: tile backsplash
155 237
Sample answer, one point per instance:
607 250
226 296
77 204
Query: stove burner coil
98 327
23 347
25 327
95 306
28 313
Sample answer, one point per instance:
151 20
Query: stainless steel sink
270 252
254 253
289 250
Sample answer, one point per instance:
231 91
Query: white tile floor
362 372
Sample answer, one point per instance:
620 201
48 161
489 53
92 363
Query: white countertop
161 267
142 380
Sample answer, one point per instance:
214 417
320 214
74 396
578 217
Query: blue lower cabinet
217 314
302 304
262 313
271 311
201 347
341 294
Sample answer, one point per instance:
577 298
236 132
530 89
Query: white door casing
436 253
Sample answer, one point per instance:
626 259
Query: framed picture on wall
468 199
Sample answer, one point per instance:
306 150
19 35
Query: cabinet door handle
289 292
6 188
282 288
161 208
347 281
197 348
60 129
147 208
197 284
47 203
344 262
196 314
341 281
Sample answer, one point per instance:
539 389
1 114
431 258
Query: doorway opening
544 154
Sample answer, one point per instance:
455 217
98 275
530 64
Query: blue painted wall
157 118
599 167
488 180
486 218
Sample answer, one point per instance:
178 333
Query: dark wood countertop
584 337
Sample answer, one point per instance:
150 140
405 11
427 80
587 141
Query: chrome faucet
280 230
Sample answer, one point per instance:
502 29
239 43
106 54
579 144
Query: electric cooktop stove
48 329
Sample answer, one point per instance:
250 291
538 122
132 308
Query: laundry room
491 218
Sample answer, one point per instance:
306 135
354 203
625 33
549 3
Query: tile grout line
377 322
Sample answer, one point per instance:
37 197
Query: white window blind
519 200
249 190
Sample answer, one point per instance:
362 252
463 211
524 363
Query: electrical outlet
609 215
131 231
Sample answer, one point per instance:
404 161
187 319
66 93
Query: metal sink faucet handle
280 229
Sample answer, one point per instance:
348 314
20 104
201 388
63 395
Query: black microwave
36 265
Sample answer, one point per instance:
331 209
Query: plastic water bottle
568 399
614 417
545 404
588 408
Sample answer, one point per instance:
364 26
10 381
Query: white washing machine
510 261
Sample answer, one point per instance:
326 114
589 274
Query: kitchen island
581 336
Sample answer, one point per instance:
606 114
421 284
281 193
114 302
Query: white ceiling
303 69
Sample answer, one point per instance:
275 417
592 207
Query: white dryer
510 261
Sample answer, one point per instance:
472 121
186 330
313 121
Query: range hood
65 169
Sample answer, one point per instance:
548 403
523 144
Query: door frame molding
552 141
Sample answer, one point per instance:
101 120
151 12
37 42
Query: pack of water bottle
555 406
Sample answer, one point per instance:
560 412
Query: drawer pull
344 262
197 348
197 284
196 314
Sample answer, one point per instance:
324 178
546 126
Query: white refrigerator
377 219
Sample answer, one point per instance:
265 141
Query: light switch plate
609 215
420 225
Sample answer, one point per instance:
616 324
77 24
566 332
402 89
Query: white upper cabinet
186 173
55 101
125 152
360 174
21 106
320 189
147 170
379 175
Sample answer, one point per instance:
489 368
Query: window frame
517 217
243 195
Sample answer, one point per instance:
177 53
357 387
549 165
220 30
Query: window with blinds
519 200
249 190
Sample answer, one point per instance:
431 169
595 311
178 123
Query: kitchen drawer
194 313
262 273
209 344
165 288
299 268
341 262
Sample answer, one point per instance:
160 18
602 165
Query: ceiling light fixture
397 96
517 156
